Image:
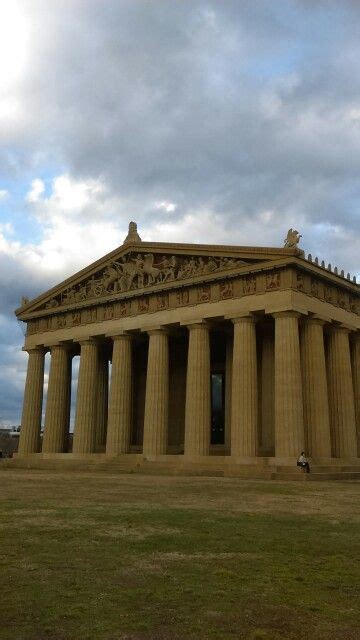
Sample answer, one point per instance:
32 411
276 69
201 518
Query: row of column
317 403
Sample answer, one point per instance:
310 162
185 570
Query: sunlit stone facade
196 355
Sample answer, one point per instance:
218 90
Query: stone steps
134 464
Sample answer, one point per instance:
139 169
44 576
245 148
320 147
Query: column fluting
341 395
244 405
157 394
356 383
57 414
29 441
103 397
315 392
289 417
121 397
87 398
198 392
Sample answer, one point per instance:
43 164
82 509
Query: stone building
220 355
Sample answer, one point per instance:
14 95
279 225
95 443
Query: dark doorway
218 408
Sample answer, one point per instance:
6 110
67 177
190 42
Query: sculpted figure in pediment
151 271
139 271
167 268
52 304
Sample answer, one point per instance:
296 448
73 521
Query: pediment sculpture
141 270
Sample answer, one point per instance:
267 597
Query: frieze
204 293
162 301
315 288
229 288
300 282
139 271
143 305
328 294
272 281
182 296
226 290
249 285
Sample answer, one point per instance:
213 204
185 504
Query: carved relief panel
226 290
272 281
141 270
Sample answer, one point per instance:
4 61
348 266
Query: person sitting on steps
303 463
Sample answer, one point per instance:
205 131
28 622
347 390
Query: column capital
197 324
86 341
63 346
122 336
287 314
340 328
320 320
37 349
156 330
250 319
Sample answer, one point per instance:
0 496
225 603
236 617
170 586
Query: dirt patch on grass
175 556
140 533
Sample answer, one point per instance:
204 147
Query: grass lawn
130 557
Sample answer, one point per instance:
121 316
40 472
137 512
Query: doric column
267 391
103 394
244 395
32 407
87 398
356 382
341 395
289 420
228 384
198 392
57 415
157 394
315 393
120 402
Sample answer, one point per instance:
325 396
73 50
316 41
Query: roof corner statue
132 236
292 239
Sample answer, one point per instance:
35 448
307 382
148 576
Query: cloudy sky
211 121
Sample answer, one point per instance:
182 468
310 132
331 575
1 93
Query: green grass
137 558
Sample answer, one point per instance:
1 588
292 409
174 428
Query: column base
221 466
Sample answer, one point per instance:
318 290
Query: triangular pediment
141 267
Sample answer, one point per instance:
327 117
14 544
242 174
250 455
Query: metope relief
143 305
204 293
249 285
272 281
226 290
300 282
138 271
182 297
162 301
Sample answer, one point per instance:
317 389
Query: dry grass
87 556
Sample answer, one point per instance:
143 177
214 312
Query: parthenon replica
221 358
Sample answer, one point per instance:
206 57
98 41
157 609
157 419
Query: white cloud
79 221
4 194
165 205
37 188
13 42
